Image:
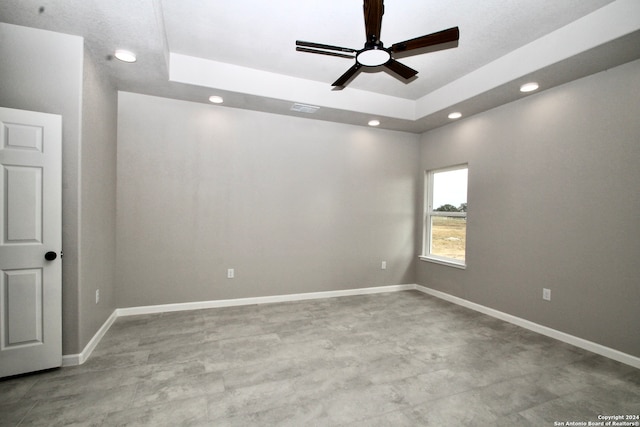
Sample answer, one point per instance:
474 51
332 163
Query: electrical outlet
231 273
384 265
546 294
97 296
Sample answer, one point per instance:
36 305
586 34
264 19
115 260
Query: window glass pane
450 191
448 236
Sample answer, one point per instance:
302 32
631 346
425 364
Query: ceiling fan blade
400 69
324 52
373 11
444 39
324 46
347 76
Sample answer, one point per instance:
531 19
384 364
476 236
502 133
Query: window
445 225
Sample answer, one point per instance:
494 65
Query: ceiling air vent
304 108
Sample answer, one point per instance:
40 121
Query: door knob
50 256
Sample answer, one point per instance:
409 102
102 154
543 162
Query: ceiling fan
374 53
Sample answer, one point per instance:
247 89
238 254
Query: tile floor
397 359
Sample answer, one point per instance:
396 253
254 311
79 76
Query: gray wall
97 257
554 202
294 205
42 71
50 72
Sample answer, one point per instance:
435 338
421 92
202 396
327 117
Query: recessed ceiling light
216 99
374 122
455 115
529 87
125 55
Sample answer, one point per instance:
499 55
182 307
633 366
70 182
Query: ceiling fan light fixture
373 57
529 87
455 115
374 54
125 55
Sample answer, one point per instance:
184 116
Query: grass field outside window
445 227
449 237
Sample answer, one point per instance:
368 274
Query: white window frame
429 213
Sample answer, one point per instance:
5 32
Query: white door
31 229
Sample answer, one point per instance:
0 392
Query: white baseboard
535 327
79 359
165 308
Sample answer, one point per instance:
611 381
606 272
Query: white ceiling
245 51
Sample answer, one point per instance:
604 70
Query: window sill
449 263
